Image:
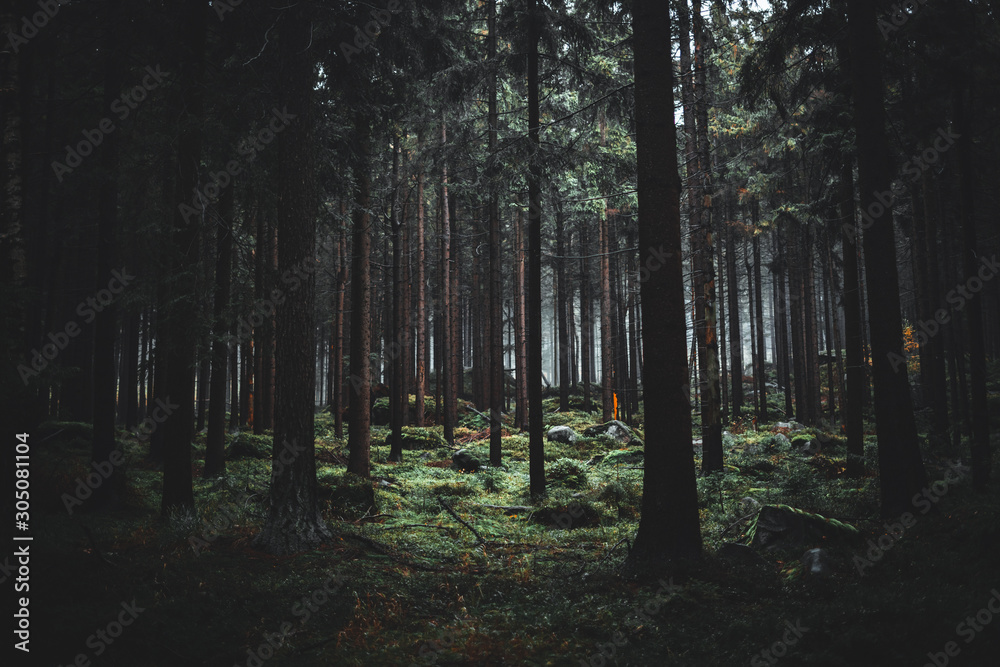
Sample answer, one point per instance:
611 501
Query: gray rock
562 434
613 429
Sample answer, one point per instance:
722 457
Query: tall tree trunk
215 442
761 374
536 441
446 377
901 470
340 314
520 342
735 332
359 431
706 326
607 339
855 361
496 365
561 308
668 527
294 522
982 457
397 389
178 337
586 318
106 324
421 379
935 352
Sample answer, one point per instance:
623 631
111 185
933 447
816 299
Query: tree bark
177 336
496 365
536 441
669 526
901 470
359 431
215 442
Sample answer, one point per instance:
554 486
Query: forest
500 332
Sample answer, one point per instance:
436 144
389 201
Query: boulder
562 434
783 526
465 461
613 429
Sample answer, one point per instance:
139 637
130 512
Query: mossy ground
419 588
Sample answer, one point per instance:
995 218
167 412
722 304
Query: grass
404 583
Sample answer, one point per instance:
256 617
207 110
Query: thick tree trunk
668 528
981 455
106 323
901 470
294 522
178 337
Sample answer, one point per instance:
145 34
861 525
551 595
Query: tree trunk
397 389
359 431
496 365
177 335
520 342
536 441
561 308
855 361
421 379
981 455
706 326
735 332
215 442
106 323
446 378
901 470
668 528
294 522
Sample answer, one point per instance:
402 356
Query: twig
738 522
611 550
459 519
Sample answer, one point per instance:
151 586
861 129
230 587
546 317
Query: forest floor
405 583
